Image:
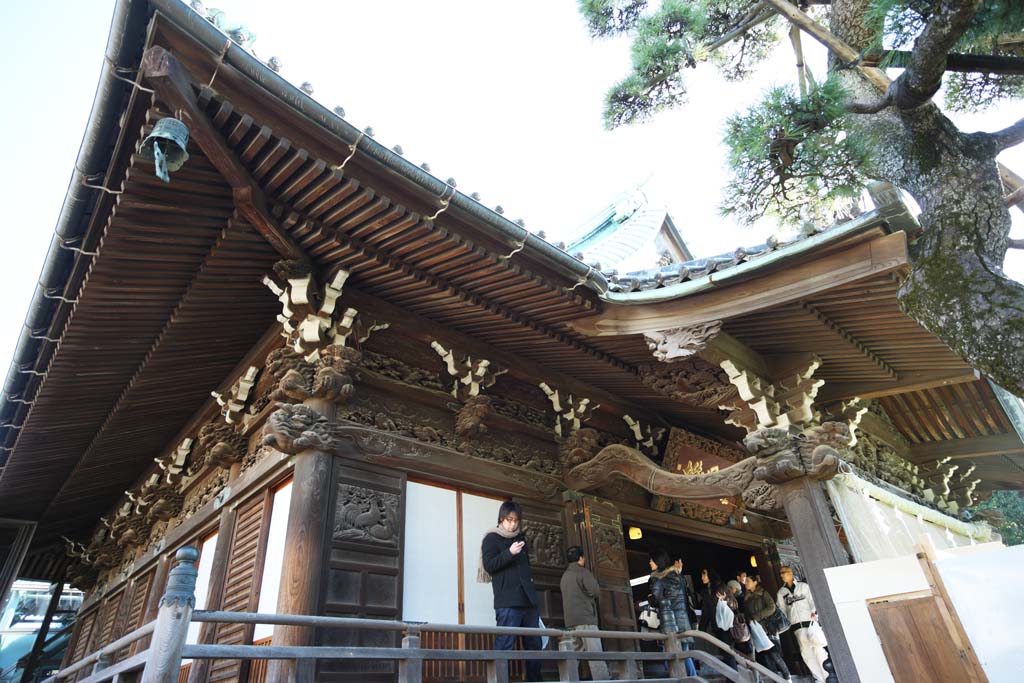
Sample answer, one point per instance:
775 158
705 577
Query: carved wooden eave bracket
318 361
678 343
645 436
766 403
219 445
172 465
472 375
295 428
849 412
235 402
570 411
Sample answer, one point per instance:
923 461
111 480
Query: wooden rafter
173 86
975 447
848 338
908 381
426 330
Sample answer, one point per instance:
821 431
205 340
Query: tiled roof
675 273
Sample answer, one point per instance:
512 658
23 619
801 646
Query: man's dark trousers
526 617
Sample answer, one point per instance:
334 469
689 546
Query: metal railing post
102 662
497 671
173 619
410 670
568 668
747 675
676 667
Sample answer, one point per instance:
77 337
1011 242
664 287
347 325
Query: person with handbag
761 612
797 603
669 593
723 620
740 631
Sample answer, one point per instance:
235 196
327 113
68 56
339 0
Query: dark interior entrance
696 555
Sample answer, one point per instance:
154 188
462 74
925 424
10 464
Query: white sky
504 97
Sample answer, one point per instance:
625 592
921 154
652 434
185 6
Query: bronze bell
166 146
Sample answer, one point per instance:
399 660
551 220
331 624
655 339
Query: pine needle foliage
611 17
790 155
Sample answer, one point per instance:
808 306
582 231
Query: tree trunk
957 289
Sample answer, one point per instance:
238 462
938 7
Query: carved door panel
596 525
363 573
545 542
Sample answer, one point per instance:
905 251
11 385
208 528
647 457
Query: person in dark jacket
580 595
758 606
669 592
505 564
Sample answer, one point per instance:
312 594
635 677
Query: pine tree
815 145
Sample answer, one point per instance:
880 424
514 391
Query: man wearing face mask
505 564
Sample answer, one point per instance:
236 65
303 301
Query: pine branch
927 63
755 17
871 107
1009 136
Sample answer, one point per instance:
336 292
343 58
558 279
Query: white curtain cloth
880 524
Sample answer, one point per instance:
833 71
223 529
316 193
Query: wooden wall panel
106 622
134 609
363 572
242 582
83 636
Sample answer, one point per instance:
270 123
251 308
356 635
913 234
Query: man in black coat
505 561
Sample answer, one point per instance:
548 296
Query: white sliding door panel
478 515
431 574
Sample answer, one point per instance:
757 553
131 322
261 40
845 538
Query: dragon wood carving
621 461
779 455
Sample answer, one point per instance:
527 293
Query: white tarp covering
983 588
880 524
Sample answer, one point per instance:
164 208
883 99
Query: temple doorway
696 554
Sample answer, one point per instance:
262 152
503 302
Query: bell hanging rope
165 146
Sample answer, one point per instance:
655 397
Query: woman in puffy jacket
669 592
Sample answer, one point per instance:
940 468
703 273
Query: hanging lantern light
635 533
753 561
166 147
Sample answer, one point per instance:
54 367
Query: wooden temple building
324 368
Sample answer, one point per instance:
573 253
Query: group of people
740 612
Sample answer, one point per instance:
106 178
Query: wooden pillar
818 544
173 619
304 560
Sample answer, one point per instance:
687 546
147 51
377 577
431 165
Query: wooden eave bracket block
645 436
471 376
764 403
570 412
238 397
